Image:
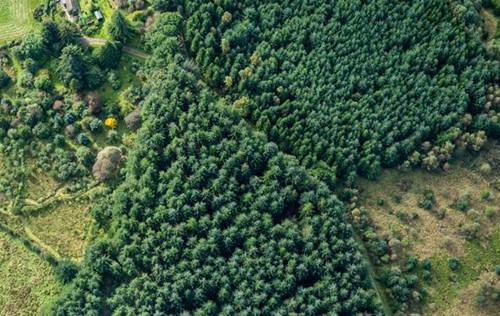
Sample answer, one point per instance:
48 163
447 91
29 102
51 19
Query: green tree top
119 28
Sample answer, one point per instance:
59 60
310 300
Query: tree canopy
254 108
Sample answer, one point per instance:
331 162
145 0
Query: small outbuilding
98 15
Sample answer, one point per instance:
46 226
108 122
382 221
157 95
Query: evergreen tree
119 28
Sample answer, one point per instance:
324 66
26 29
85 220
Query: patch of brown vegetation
465 304
403 190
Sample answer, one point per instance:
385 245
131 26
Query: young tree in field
119 28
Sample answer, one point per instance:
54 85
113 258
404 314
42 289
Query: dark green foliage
83 139
428 200
119 28
463 202
427 264
402 288
4 79
356 84
411 263
166 5
85 157
66 270
108 55
75 70
72 67
454 263
214 218
32 46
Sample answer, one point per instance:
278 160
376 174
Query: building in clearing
71 8
98 15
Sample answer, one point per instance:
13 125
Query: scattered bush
463 202
428 200
485 168
470 230
441 213
83 139
485 195
454 263
489 291
95 125
491 212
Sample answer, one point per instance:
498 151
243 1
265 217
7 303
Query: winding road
125 49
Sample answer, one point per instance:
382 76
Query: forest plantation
250 157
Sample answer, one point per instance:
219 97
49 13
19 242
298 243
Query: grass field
16 18
64 227
428 236
27 280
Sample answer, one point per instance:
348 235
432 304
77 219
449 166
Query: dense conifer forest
214 219
355 85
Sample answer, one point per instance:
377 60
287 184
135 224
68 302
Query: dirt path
126 49
37 241
18 226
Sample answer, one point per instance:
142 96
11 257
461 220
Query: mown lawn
16 18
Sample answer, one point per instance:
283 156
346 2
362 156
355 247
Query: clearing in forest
16 18
459 221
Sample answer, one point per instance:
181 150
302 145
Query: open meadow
16 18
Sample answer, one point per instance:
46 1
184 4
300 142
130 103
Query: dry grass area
394 204
27 280
64 227
464 304
429 232
40 186
57 222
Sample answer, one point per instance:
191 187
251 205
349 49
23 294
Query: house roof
71 6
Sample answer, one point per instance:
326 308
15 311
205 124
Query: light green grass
27 281
16 18
127 78
447 284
